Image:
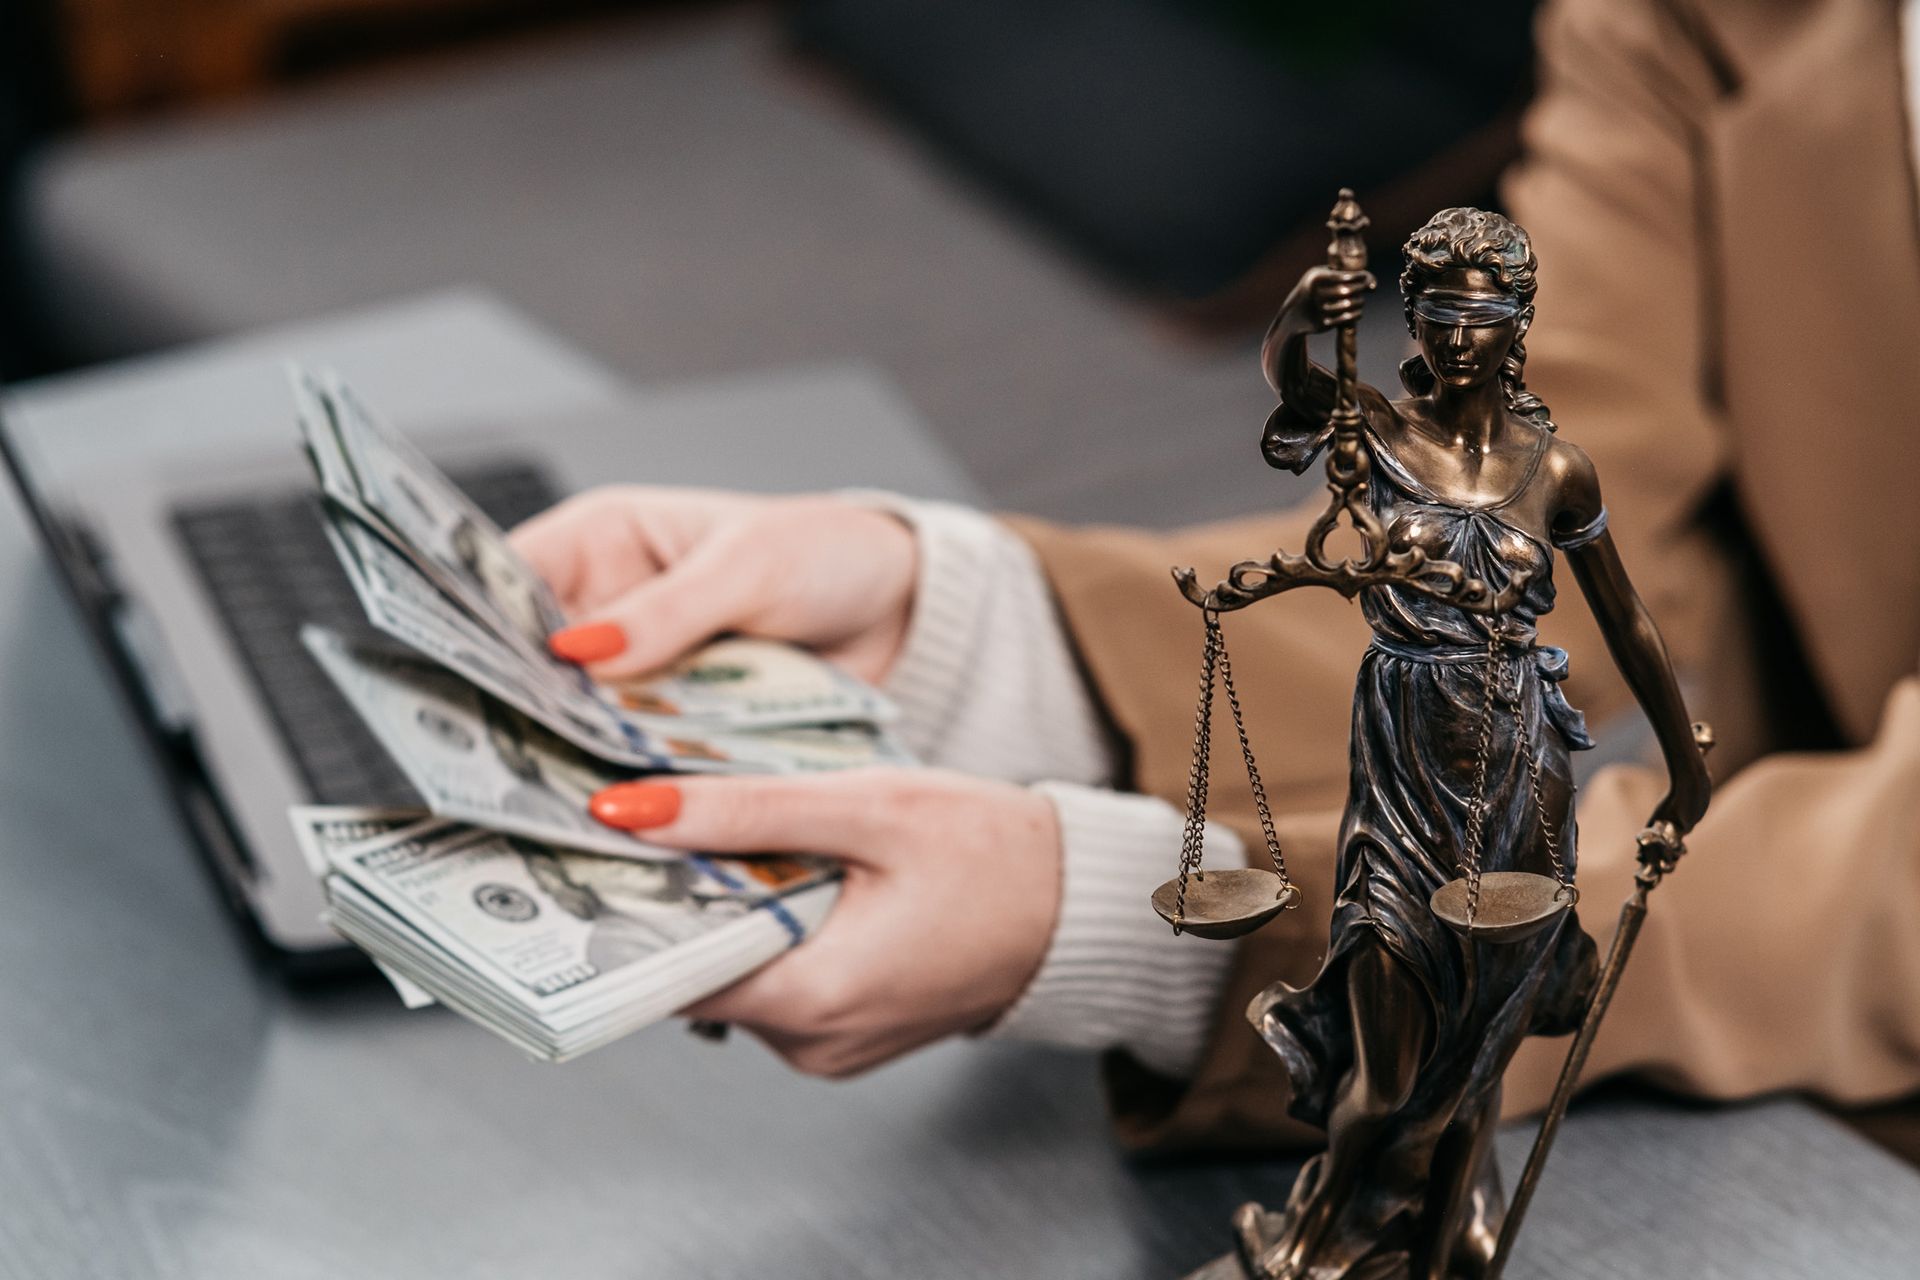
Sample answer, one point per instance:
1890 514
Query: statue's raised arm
1326 298
1294 435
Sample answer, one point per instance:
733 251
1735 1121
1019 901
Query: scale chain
1193 839
1217 667
1477 820
1476 824
1548 832
1253 770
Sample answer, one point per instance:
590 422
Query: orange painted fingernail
632 806
588 642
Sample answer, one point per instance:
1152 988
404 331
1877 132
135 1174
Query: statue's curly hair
1462 237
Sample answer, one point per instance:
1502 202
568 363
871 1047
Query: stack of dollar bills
500 896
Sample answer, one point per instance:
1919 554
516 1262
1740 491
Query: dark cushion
1176 142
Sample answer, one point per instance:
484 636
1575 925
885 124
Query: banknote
548 929
481 761
317 415
402 602
644 733
428 514
323 830
746 683
356 527
795 749
558 951
473 757
320 437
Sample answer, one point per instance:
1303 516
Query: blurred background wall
1058 225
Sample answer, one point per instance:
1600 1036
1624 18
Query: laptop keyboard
268 569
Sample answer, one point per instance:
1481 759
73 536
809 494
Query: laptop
176 509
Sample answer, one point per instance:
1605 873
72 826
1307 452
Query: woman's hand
952 889
645 574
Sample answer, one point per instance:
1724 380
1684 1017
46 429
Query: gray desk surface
167 1110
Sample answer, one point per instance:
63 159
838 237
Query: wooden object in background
126 56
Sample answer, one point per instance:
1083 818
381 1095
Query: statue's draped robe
1419 710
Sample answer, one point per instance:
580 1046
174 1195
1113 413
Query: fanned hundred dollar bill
392 485
472 757
403 603
555 950
476 758
405 532
320 830
744 683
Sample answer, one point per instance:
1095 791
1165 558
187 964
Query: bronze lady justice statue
1461 789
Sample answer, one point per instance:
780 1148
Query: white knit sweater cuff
938 659
1115 975
986 680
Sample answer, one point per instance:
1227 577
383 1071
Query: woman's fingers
589 548
596 546
951 891
750 1002
647 575
834 815
662 617
825 1006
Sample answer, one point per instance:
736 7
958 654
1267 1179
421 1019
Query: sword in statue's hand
1660 850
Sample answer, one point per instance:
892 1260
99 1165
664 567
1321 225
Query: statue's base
1227 1267
1256 1230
